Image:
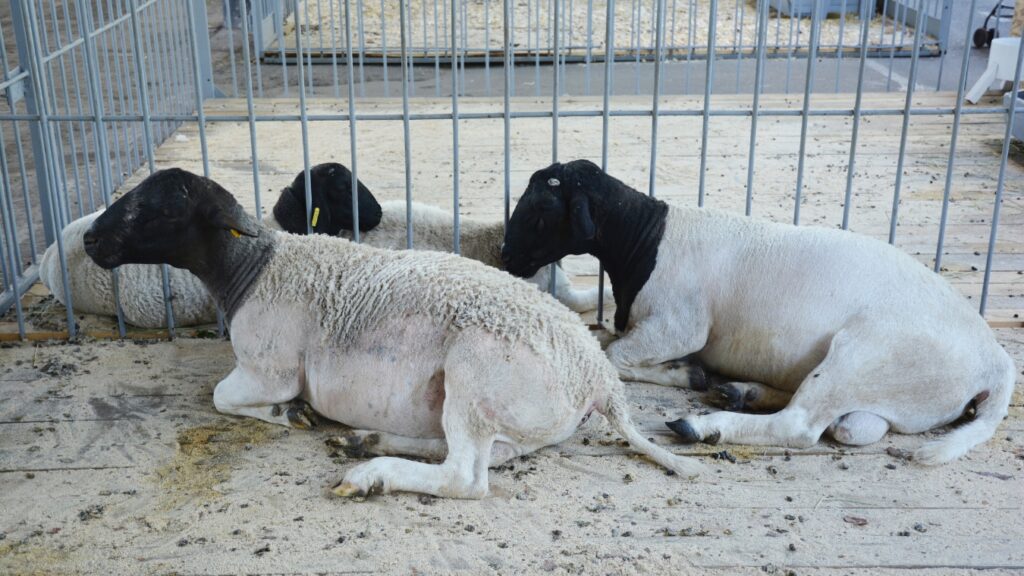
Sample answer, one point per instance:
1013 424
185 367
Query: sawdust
205 456
31 559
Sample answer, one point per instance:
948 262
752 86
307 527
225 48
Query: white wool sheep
433 354
479 240
828 329
140 285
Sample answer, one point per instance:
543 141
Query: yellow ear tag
316 215
236 233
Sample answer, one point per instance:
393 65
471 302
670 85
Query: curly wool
353 287
433 229
140 285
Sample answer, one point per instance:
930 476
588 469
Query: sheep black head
167 219
331 188
553 217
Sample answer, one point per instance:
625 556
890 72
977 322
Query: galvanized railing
93 87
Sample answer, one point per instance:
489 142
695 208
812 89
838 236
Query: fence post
201 26
20 23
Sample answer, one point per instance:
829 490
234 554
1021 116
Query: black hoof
687 434
728 396
301 415
697 378
354 445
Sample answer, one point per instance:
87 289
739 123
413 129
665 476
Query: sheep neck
627 245
233 265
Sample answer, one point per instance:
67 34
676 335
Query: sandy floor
113 460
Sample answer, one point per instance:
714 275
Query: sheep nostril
89 239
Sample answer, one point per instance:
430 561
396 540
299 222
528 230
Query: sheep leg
463 474
579 300
243 395
365 443
747 396
655 353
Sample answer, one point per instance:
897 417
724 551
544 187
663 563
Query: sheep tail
617 413
991 406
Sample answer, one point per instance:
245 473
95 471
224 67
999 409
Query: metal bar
905 130
762 39
200 113
808 87
507 119
957 114
140 71
456 240
1000 185
403 6
556 33
709 79
659 39
334 52
13 253
251 112
865 21
351 125
304 124
384 49
609 63
329 117
362 51
34 103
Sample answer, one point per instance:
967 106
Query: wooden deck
113 460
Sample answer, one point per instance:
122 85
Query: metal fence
93 86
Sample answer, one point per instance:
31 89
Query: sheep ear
233 218
579 216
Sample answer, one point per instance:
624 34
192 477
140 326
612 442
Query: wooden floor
322 27
113 460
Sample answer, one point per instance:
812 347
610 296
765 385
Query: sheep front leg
270 399
652 352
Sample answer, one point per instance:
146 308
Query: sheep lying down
141 286
828 329
424 353
432 228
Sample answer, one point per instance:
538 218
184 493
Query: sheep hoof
728 396
301 415
688 435
348 490
686 432
355 445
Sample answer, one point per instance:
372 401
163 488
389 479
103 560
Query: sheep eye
553 182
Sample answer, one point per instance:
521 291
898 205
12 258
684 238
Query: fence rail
92 88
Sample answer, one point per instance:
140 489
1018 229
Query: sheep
838 332
141 287
432 227
479 367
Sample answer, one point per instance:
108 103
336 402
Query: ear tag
235 233
316 216
553 182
